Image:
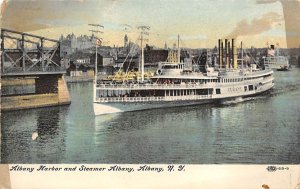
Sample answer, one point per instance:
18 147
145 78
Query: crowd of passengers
133 94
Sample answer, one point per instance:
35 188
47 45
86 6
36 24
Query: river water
260 130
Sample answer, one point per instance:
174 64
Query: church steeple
165 47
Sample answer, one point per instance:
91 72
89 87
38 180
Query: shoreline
78 79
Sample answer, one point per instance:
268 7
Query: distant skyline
200 23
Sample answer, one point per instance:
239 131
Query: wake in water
231 101
239 100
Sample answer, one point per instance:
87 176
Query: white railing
150 86
152 98
192 85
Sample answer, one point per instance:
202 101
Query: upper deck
199 83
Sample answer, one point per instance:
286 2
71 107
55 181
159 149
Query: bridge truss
28 54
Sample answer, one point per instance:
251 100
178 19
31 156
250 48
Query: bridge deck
32 73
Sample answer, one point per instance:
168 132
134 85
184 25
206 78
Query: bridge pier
32 72
53 84
49 90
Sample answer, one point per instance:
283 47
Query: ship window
250 87
245 88
218 91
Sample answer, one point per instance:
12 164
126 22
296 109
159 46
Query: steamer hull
180 95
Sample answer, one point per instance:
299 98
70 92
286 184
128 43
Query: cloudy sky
200 23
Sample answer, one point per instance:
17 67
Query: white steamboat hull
125 105
280 63
277 66
115 107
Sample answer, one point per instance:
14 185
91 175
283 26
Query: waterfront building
72 44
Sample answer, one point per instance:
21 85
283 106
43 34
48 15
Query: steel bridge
27 54
32 71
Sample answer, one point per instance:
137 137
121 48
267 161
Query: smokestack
234 55
220 56
226 53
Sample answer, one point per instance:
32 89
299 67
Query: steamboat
181 83
274 60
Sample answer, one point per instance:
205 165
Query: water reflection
17 129
47 126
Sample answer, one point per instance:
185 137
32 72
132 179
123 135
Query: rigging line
123 64
129 61
119 71
250 55
134 47
183 44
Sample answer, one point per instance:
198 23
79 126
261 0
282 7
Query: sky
200 23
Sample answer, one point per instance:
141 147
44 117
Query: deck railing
149 86
153 98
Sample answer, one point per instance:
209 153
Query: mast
96 57
143 61
143 32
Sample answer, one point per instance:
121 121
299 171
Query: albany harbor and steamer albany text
114 168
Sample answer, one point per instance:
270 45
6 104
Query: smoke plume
255 26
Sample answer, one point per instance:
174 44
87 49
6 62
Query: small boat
181 83
274 60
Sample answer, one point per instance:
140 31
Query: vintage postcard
150 94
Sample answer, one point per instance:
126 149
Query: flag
271 52
98 42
